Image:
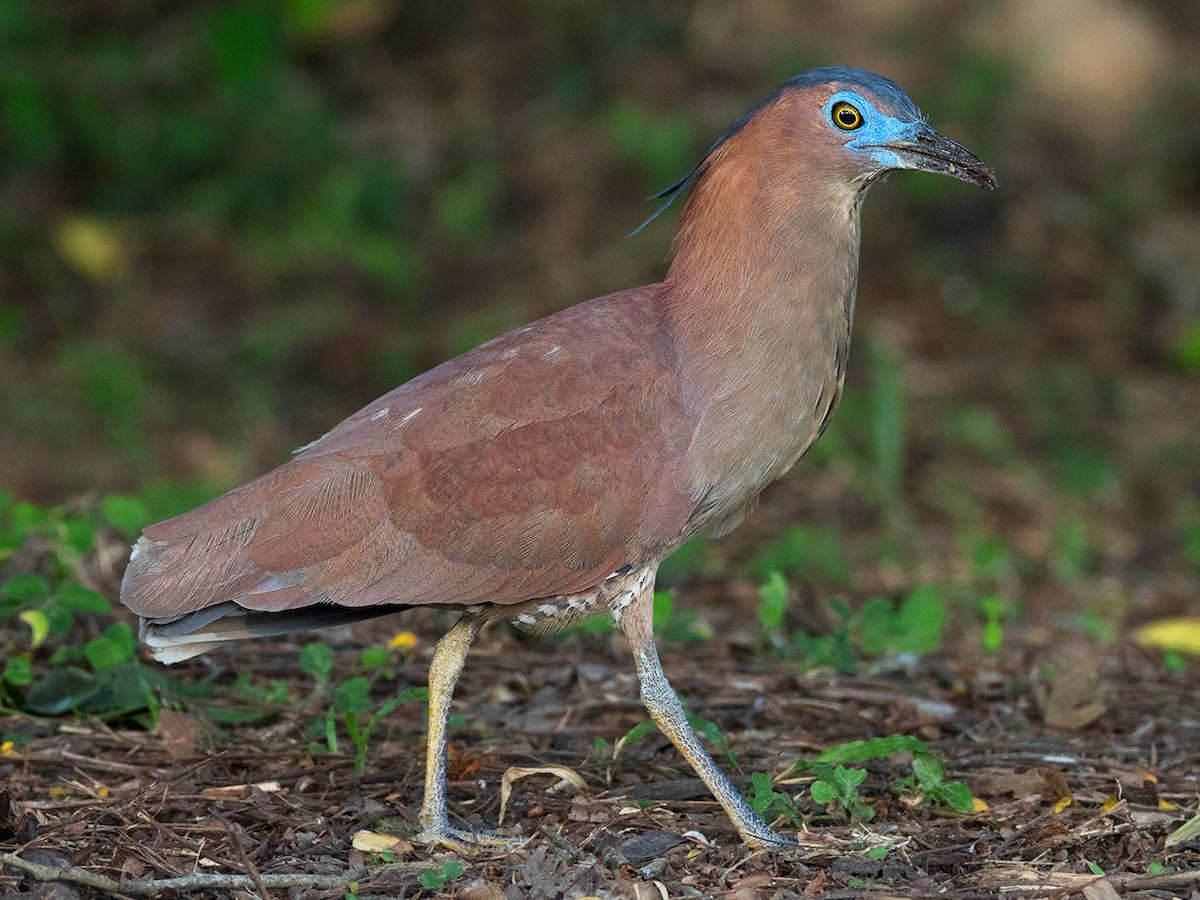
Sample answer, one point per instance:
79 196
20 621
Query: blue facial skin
877 131
910 143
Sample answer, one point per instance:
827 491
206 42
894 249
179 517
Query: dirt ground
1060 804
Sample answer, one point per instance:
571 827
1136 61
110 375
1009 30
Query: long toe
766 839
469 842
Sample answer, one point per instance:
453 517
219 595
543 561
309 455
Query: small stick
195 881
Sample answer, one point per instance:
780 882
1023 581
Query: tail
180 638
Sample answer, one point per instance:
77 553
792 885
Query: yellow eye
845 116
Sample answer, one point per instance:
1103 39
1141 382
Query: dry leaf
375 842
239 791
515 773
1182 633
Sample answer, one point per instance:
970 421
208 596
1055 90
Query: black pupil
847 116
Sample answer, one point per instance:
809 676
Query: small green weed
996 612
915 625
679 625
350 703
769 803
837 786
435 879
881 627
60 646
814 552
836 789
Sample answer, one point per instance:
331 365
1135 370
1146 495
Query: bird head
841 127
878 129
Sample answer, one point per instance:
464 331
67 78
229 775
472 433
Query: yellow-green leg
447 664
664 707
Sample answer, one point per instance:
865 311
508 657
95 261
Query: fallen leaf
93 247
516 773
1100 890
1181 633
239 791
375 842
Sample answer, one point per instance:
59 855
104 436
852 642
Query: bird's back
534 466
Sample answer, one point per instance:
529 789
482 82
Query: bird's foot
769 840
468 842
760 836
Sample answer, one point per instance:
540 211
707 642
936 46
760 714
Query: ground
1084 810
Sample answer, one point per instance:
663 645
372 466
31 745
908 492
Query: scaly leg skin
664 707
447 664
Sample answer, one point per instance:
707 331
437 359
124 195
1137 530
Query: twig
213 881
235 839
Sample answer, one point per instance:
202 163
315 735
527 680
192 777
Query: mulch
268 803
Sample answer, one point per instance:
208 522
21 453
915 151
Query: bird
543 476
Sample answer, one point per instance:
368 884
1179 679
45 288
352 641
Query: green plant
706 729
769 803
64 650
928 784
680 625
434 879
837 787
996 612
774 595
804 551
880 627
915 625
349 701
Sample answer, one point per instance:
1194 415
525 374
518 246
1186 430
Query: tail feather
182 637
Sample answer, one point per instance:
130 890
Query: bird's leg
664 707
444 669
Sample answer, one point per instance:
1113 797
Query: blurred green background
226 225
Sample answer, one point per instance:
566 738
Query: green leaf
774 594
761 793
636 733
60 690
431 880
26 586
38 624
81 536
316 659
374 657
848 779
1188 831
922 619
17 671
878 852
861 751
353 695
103 653
822 792
956 795
928 769
126 514
77 598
